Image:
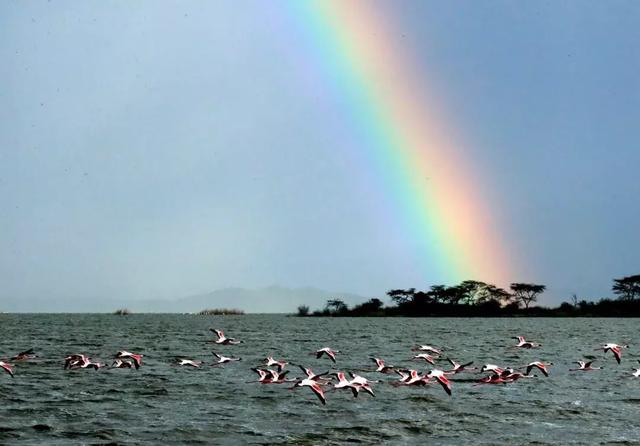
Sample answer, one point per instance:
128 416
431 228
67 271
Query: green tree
400 296
471 291
526 293
336 306
303 310
496 294
627 288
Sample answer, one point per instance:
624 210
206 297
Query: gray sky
157 150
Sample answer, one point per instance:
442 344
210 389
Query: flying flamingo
188 362
439 375
269 362
327 351
491 368
7 367
457 367
74 361
312 376
426 356
362 382
313 385
90 364
540 366
137 359
224 359
122 364
270 376
264 376
522 343
279 377
427 348
381 367
344 383
81 362
222 339
585 367
23 356
615 348
412 378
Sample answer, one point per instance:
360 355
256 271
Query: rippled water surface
45 404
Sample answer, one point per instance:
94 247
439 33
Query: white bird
122 364
137 359
457 367
327 351
427 357
492 368
344 383
412 378
439 375
222 339
585 366
362 382
188 362
314 386
312 376
270 362
636 373
615 348
540 366
7 367
523 343
427 348
224 359
381 366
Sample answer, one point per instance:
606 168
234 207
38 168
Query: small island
473 298
220 312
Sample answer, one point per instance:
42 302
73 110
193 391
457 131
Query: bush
220 312
303 310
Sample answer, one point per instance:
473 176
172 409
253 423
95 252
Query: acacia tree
337 305
497 294
525 293
402 296
471 291
627 288
440 294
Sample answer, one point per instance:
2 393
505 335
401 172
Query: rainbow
416 158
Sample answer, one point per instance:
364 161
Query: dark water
160 403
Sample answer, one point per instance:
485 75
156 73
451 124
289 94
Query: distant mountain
273 299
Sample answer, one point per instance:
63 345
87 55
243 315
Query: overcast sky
158 149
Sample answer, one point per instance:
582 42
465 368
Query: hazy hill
273 299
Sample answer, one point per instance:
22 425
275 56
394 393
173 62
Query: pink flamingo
615 348
585 367
137 359
7 367
222 339
327 351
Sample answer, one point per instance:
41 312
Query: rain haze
154 151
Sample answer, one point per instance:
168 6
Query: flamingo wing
319 393
444 382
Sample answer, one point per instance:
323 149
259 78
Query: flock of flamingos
274 371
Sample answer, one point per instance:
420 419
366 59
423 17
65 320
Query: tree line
475 298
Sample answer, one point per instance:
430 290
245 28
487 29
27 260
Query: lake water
161 403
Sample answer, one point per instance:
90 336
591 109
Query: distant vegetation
220 311
473 298
122 312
